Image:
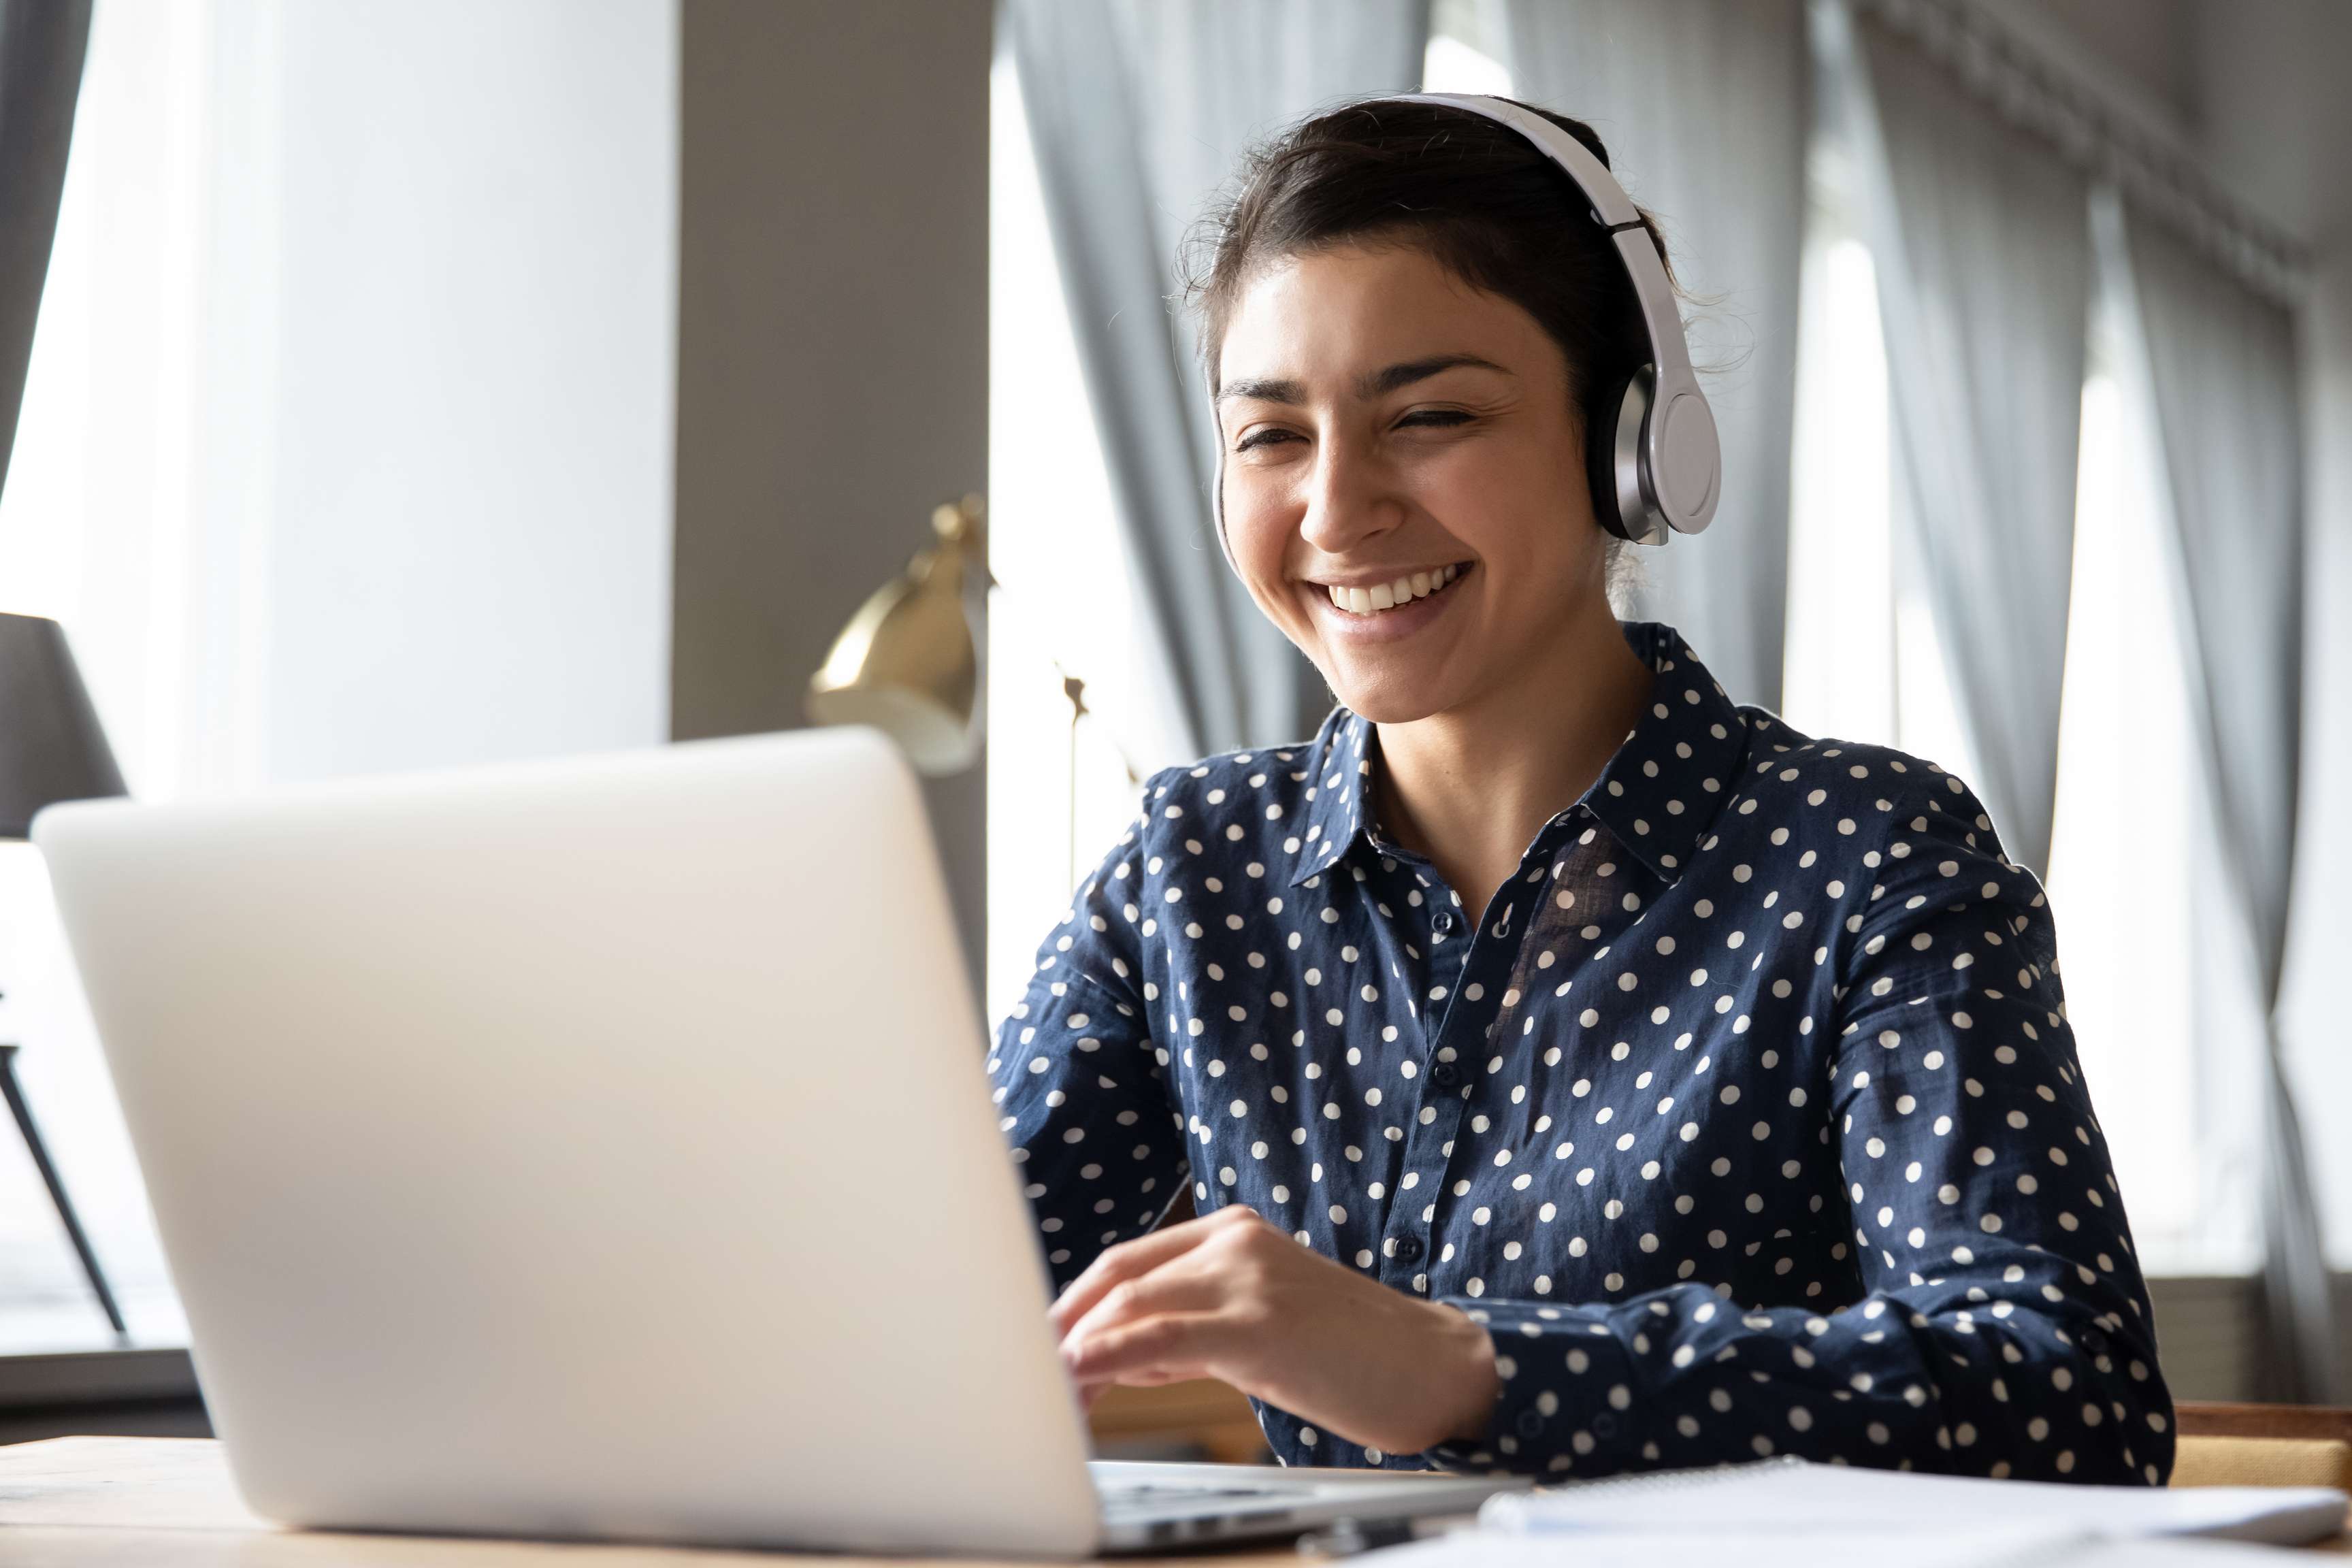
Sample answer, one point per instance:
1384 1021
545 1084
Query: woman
1648 1084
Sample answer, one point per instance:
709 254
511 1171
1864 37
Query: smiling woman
1574 1070
1383 419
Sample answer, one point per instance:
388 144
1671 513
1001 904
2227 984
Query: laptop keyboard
1160 1491
1130 1498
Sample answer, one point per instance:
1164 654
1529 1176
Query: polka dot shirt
1746 1116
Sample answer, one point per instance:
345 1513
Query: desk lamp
51 749
909 662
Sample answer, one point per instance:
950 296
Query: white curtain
2218 363
1981 238
1702 104
1139 111
136 408
337 453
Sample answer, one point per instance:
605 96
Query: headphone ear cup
1600 459
1615 453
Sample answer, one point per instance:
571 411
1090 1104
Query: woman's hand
1229 1297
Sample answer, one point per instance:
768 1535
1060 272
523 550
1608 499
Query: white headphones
1661 467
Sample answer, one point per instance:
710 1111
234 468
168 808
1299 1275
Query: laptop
602 1148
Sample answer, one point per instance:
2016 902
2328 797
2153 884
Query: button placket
1442 1097
1458 1038
1448 1081
1424 1156
1405 1244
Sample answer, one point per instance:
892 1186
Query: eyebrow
1372 384
1405 374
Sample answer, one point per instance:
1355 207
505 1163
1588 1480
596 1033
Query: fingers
1179 1285
1166 1347
1146 1312
1132 1260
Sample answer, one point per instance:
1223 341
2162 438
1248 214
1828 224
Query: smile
1383 596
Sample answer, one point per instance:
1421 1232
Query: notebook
1789 1496
1988 1546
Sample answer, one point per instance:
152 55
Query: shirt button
2094 1341
1604 1424
1530 1422
1408 1249
1445 1075
1442 921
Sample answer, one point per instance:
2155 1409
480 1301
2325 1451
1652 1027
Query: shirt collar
1658 796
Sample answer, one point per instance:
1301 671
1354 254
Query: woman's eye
1439 417
1261 438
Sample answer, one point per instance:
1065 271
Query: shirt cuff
1566 1393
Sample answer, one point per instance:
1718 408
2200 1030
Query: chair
1202 1417
2262 1445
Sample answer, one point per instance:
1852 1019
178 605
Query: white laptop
602 1149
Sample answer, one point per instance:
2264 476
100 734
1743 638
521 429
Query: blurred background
423 384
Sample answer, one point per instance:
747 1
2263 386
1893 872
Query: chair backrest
2196 1418
2262 1445
2262 1462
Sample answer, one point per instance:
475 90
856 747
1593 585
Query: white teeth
1387 595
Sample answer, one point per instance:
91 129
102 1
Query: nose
1350 498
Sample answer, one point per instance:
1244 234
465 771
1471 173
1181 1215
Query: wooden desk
166 1502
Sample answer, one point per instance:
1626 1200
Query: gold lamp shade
909 662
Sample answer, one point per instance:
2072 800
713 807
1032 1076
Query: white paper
1791 1497
2028 1546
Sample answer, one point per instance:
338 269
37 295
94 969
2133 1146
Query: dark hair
1474 194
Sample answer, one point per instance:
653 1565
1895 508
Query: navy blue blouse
1746 1116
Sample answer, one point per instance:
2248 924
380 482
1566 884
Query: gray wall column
833 346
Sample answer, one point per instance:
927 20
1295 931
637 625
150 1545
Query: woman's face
1384 422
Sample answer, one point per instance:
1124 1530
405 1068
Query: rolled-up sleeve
1079 1085
2003 1325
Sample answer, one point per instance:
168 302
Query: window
1839 675
1862 659
2121 873
1064 606
1460 58
205 534
1864 662
94 531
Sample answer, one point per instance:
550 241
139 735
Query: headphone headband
1656 467
1661 466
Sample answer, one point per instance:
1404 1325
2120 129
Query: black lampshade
51 747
